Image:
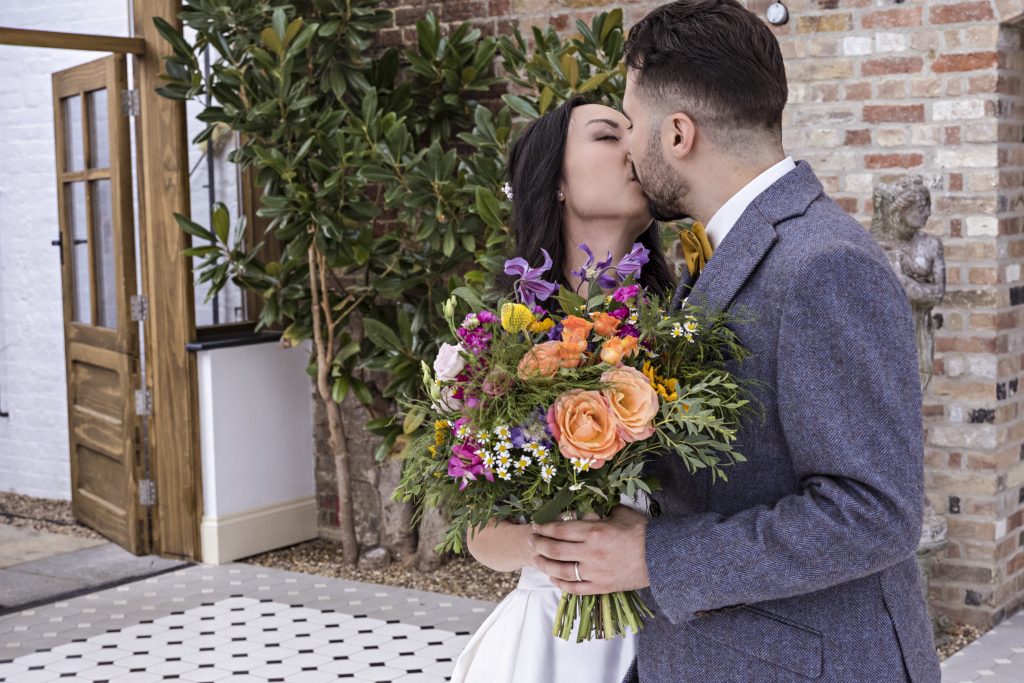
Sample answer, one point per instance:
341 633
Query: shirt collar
725 218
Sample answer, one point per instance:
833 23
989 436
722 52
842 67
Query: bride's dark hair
534 170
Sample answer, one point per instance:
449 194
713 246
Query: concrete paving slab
18 544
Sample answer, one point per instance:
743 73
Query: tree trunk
322 318
431 529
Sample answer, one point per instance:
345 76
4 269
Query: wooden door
98 273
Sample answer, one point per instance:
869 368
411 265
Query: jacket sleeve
849 403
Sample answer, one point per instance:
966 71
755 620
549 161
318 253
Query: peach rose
633 401
542 360
617 348
569 353
584 426
605 325
575 329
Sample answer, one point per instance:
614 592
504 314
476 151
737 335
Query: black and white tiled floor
242 624
996 657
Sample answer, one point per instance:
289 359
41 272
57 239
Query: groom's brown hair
714 60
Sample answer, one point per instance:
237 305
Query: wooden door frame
171 375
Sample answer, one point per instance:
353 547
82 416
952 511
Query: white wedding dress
515 643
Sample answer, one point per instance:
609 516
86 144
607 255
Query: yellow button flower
516 317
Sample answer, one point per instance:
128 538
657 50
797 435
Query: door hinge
147 493
140 308
130 103
143 402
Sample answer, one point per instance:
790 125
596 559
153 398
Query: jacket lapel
750 240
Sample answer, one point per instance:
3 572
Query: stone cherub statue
901 212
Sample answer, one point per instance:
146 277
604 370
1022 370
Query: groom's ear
680 135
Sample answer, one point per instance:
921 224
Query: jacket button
654 508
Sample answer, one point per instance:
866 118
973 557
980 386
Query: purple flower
465 463
628 331
476 340
620 313
634 261
624 294
591 269
530 286
555 333
517 437
486 316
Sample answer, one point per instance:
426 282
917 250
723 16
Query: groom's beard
666 192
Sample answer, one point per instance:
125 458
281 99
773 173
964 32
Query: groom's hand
611 553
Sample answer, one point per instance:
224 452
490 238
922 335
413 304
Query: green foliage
387 162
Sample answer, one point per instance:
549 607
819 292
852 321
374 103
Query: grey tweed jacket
801 566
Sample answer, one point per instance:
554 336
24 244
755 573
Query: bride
572 184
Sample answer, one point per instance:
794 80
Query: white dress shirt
723 220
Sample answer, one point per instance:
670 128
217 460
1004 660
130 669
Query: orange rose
616 348
585 427
605 325
633 400
542 360
575 329
569 353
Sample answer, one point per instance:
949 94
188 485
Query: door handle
59 243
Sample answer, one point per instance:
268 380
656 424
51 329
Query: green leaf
340 389
292 30
193 228
381 335
488 208
569 300
554 507
594 81
278 22
547 96
470 297
521 106
271 40
361 391
221 222
571 69
413 419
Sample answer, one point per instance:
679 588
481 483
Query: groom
801 566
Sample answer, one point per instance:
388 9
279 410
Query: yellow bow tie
696 248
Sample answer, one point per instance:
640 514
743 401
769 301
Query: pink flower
465 463
624 294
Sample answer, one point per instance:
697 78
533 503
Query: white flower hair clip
507 189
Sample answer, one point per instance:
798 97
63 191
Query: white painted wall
34 456
256 436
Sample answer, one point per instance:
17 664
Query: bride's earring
561 196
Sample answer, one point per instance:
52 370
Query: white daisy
504 460
677 330
547 472
503 432
462 432
503 474
487 458
522 463
503 448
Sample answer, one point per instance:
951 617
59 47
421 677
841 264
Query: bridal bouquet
540 412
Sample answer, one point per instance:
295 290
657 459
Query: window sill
236 339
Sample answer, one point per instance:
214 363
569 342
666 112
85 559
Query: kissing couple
802 566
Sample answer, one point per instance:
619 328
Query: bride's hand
610 552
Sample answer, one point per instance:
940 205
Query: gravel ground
462 576
42 514
954 637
